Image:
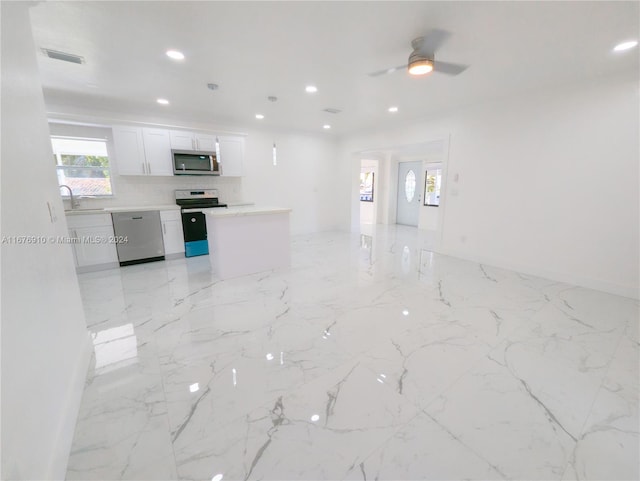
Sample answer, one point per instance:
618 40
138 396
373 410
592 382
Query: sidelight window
432 184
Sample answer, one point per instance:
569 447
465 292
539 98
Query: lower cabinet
172 233
93 242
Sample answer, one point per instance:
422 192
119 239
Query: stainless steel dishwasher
139 236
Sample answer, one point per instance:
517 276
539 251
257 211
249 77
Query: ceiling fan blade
388 70
432 41
449 68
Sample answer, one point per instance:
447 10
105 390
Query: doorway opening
408 187
369 177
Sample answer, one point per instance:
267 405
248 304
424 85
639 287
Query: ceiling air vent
67 57
332 111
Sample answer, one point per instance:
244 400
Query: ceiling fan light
420 66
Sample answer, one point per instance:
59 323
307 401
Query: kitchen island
248 239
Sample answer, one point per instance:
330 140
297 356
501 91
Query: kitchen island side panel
247 244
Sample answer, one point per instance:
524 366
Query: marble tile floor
372 357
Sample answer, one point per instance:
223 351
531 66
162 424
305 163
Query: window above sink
83 165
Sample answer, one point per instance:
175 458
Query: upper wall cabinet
142 151
231 155
147 151
129 150
157 150
186 140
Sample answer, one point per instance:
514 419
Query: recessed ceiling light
175 54
163 101
625 45
311 89
393 109
326 126
259 116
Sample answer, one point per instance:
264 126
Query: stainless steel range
194 225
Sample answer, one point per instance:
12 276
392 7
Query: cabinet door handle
144 169
164 228
149 167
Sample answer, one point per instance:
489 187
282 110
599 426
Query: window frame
438 189
59 166
363 193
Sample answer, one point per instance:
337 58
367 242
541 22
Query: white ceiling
256 49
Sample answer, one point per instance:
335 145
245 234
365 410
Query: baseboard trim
97 267
569 278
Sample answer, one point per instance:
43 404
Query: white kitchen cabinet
182 140
93 242
147 151
157 151
187 140
129 149
231 155
142 151
206 143
172 233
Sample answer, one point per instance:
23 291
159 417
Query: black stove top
197 199
199 203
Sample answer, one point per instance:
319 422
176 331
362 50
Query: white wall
303 178
45 345
548 181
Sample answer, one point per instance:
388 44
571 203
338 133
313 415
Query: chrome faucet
74 202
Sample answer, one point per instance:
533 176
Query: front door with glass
408 208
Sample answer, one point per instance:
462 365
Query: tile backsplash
141 190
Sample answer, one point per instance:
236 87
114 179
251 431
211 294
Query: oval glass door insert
410 185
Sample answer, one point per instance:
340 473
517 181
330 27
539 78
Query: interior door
408 193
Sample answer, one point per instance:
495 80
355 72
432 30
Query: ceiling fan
422 60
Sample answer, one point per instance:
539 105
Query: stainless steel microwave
188 162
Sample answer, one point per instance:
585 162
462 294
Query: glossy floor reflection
371 358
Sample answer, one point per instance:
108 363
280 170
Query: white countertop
245 210
128 208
